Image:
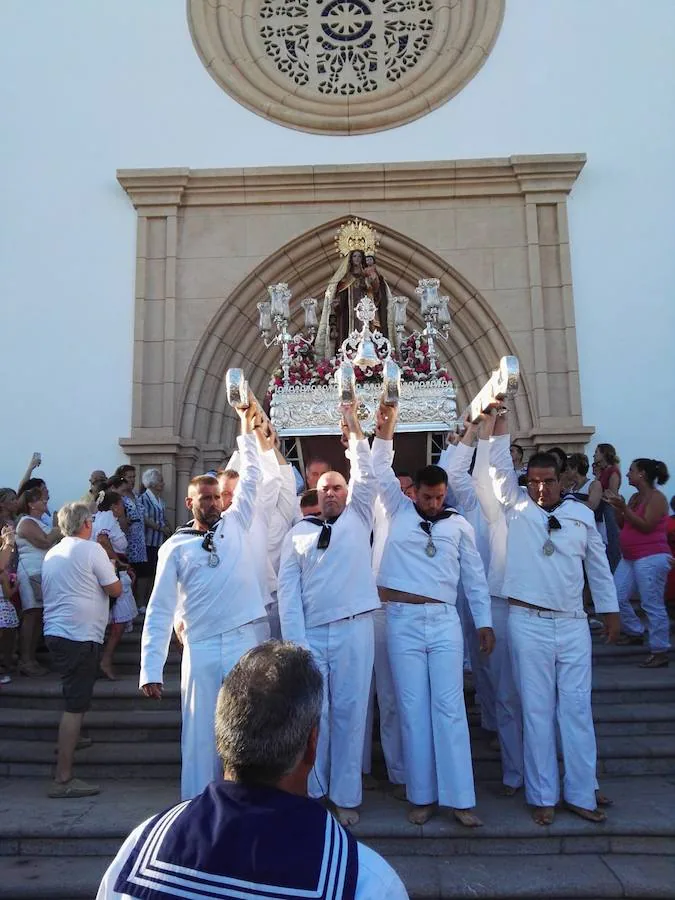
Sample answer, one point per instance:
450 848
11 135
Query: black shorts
77 663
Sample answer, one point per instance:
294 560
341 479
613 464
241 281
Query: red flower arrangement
305 369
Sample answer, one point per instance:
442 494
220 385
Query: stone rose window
343 66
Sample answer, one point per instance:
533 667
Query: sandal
655 661
590 815
630 640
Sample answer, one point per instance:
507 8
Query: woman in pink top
645 560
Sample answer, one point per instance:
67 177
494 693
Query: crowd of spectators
38 547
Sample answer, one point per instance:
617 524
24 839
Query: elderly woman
107 531
123 482
156 529
33 539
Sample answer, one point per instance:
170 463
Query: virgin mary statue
356 277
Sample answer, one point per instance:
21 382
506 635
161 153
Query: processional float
399 367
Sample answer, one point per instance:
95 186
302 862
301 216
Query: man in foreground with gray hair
77 580
256 834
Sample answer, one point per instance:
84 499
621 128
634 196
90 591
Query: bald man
326 597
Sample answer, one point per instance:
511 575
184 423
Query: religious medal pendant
430 548
549 548
214 559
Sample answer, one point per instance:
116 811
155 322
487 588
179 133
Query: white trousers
343 651
205 664
508 710
426 650
382 685
480 666
648 575
552 667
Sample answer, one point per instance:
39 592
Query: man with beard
203 582
552 539
428 550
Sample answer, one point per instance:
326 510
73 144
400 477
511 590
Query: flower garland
305 369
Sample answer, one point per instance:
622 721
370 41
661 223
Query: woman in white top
106 525
33 538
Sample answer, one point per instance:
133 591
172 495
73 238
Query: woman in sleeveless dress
646 558
33 538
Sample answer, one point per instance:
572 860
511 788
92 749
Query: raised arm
35 461
362 487
505 480
158 623
289 595
482 476
389 489
244 500
456 465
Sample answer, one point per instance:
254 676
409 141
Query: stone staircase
59 849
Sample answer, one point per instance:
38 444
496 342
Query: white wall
92 87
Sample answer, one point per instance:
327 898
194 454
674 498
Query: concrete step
615 685
631 855
163 724
634 755
641 821
587 877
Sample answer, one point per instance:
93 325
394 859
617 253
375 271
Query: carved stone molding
343 66
370 182
494 231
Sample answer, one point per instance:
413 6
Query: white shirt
284 516
479 486
376 879
463 495
208 600
74 573
256 547
405 565
553 582
106 523
321 586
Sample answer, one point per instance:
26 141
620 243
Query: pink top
636 544
605 474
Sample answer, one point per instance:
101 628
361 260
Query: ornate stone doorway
211 241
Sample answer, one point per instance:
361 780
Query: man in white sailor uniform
476 490
203 582
256 834
551 540
428 550
326 594
466 503
276 510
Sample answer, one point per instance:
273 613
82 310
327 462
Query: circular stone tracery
343 66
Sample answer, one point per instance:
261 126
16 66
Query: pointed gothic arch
478 339
493 231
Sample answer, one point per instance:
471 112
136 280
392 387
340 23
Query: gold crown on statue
356 235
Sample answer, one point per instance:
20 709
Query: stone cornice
152 190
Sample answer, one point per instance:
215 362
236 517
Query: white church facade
169 161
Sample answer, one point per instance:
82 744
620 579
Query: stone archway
210 242
477 340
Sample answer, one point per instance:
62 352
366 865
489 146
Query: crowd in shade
73 581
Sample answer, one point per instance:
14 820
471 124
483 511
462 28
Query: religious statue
356 277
